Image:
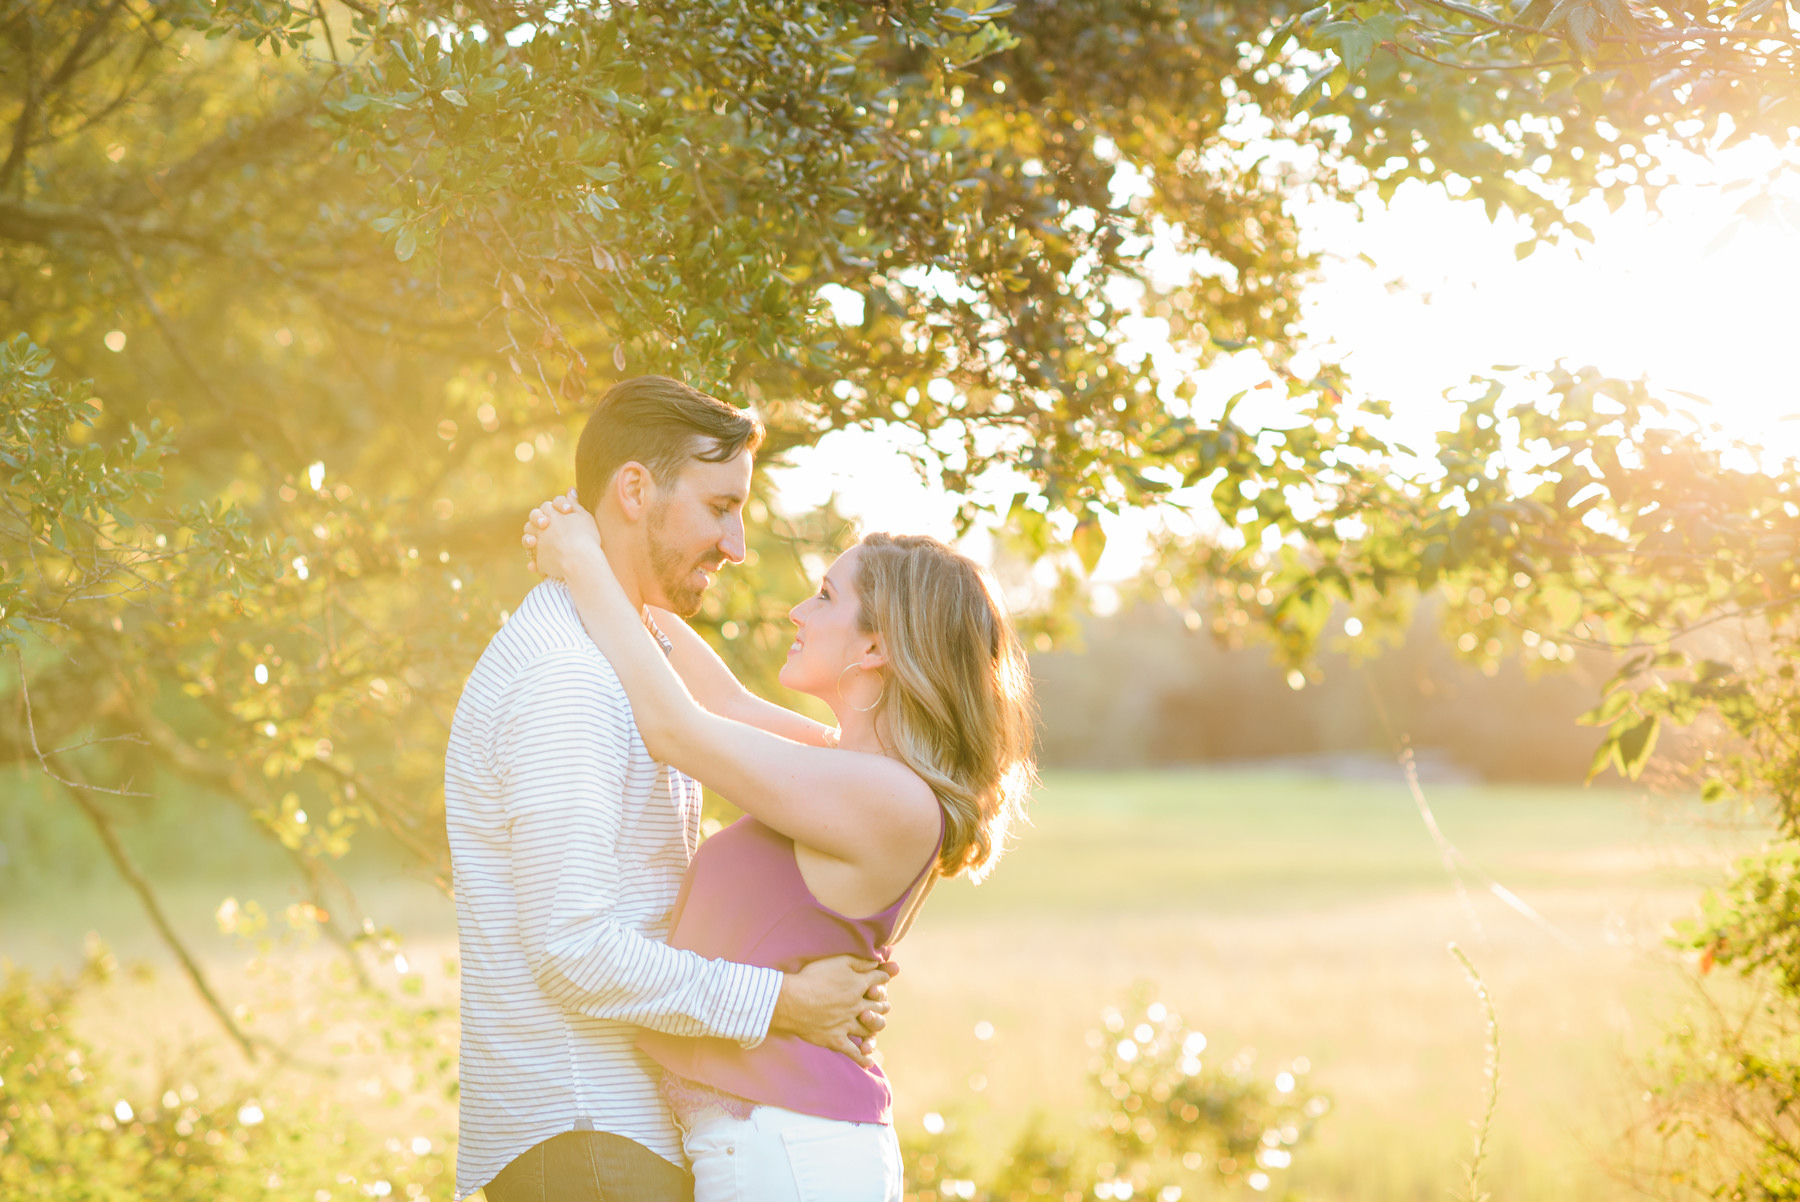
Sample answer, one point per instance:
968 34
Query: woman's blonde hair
957 693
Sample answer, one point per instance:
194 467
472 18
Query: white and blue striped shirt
568 844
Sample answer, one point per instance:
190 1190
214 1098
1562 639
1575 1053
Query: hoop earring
861 709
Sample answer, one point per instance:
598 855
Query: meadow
1299 916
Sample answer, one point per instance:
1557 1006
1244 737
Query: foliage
341 276
1589 515
1594 516
72 507
1566 511
1175 1117
72 1131
1532 108
1719 1119
1169 1123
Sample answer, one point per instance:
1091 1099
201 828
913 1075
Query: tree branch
21 138
128 869
178 348
70 66
79 791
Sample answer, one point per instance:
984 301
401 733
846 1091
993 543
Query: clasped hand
555 530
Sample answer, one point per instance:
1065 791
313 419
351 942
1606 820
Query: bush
69 1132
1170 1122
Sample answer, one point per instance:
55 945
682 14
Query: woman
908 643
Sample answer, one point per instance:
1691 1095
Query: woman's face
829 638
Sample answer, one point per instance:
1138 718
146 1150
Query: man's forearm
628 977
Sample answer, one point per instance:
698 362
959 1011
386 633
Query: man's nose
732 543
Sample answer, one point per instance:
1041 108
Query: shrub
1171 1121
69 1132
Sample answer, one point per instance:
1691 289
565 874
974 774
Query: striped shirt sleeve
564 762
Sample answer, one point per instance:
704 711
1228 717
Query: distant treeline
1142 689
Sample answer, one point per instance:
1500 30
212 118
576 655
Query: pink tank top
744 899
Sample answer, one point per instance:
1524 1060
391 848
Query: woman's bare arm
719 691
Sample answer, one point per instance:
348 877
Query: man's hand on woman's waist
837 1003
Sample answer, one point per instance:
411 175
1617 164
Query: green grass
1116 843
1298 916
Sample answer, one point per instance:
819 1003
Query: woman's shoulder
891 776
906 800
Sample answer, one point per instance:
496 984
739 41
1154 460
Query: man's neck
617 544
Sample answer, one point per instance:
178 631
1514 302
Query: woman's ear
874 653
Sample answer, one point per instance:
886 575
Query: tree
364 264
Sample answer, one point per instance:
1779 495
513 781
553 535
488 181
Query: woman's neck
859 731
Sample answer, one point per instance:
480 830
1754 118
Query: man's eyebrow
736 498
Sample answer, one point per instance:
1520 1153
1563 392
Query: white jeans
776 1155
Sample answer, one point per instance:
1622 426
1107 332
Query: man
569 844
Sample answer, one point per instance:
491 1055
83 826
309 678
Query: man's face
695 525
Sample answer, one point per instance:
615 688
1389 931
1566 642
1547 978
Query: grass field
1308 917
1299 916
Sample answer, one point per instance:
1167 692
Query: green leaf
1315 83
1279 41
1636 744
1604 755
1357 41
1089 541
1608 711
405 245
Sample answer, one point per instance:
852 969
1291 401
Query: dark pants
590 1166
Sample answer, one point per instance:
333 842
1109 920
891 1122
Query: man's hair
660 423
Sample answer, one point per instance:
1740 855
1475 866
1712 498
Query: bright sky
1700 299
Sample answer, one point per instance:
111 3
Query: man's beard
672 572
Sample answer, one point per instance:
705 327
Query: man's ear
633 488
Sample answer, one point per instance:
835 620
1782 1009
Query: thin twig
1554 62
325 24
700 187
124 738
43 757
